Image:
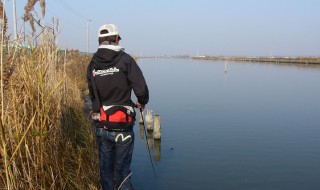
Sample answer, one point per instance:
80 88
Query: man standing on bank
112 75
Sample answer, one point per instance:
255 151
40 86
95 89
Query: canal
256 126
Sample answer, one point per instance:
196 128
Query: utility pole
88 36
14 19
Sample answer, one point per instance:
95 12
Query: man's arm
138 83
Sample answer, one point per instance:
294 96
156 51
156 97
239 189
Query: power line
74 11
77 14
64 19
80 16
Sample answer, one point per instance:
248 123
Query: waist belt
117 117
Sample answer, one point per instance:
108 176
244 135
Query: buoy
157 127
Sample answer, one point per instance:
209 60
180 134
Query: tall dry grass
46 139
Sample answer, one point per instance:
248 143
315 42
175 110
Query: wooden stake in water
157 128
141 120
149 120
225 66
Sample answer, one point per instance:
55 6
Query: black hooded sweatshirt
115 74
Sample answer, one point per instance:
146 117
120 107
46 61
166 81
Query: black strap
95 91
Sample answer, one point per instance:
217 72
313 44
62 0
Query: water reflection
141 131
157 149
150 139
153 144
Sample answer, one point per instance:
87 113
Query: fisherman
112 74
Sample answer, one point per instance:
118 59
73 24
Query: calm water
256 127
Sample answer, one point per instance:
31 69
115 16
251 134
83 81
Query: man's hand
140 106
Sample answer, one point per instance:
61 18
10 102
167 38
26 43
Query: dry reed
4 21
29 8
46 139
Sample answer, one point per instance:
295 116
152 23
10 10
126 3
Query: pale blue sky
185 27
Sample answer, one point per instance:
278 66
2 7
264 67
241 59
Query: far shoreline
288 60
291 60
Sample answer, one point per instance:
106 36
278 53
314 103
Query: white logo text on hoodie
105 72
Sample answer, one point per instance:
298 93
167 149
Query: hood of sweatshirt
107 56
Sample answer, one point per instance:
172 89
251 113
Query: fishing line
145 134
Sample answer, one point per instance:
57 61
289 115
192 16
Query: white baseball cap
111 30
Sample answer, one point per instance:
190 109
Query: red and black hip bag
117 117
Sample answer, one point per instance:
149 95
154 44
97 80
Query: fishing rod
145 134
